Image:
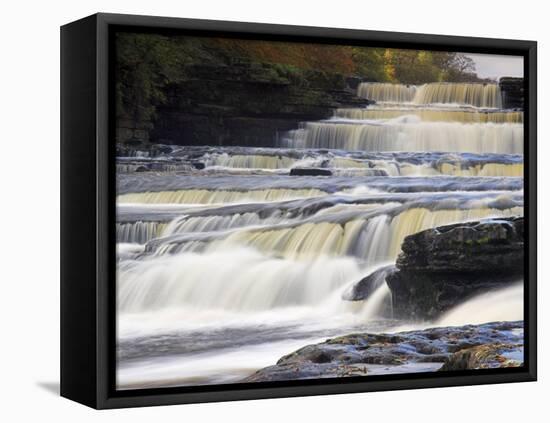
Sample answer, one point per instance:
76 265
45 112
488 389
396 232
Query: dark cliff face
440 268
247 104
512 92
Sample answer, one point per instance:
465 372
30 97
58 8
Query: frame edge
101 396
78 212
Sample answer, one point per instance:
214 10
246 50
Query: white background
29 166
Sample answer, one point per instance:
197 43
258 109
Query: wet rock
492 245
248 103
309 171
446 348
377 172
441 267
366 286
485 357
198 165
163 149
354 81
512 90
135 141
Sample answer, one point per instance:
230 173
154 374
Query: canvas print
294 211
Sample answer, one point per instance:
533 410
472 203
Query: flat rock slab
490 345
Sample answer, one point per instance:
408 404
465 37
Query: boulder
309 171
366 286
441 267
198 165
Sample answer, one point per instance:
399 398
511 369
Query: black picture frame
88 211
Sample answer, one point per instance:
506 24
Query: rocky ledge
441 267
245 103
490 345
512 92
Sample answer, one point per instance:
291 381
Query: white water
226 365
373 240
502 305
387 92
138 232
442 114
411 135
203 196
432 117
242 280
477 95
309 326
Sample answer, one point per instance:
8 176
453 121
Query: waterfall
251 161
500 305
228 260
241 280
191 224
431 115
472 94
419 137
453 169
386 92
280 161
504 138
351 167
201 196
477 95
374 240
488 169
138 232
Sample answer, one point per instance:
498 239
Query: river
226 261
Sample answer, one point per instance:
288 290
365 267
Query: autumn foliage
147 63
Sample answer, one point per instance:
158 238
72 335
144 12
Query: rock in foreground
485 357
441 267
488 345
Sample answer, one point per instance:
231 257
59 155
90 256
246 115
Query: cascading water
410 134
503 304
229 262
477 95
138 232
196 196
471 94
447 117
462 115
386 92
